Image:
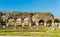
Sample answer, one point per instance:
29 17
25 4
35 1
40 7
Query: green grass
23 30
30 32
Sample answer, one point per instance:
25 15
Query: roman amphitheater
27 20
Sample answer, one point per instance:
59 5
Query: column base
44 27
37 27
22 25
4 27
7 26
52 28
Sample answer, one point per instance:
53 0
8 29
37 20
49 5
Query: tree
56 20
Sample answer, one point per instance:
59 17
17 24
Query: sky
52 6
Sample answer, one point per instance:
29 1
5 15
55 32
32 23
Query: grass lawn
32 32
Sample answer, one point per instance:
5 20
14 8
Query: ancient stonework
36 20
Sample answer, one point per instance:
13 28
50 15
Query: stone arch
3 20
26 23
41 22
18 22
48 23
10 22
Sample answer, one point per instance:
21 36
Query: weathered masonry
36 20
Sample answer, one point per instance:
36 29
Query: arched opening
26 21
3 23
18 22
48 23
41 22
3 20
11 22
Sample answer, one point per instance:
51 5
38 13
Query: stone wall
32 17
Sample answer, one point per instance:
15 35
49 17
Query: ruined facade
36 20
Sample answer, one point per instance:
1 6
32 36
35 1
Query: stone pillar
52 25
4 26
22 23
44 24
0 22
29 21
59 24
37 24
6 23
14 24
